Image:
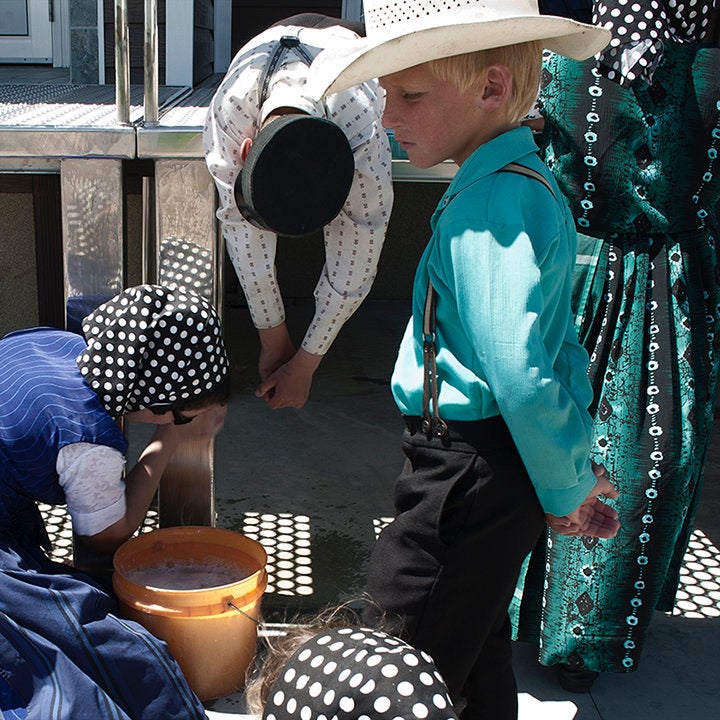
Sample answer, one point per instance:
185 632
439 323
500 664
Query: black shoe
576 678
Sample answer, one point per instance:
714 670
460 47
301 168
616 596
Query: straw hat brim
371 57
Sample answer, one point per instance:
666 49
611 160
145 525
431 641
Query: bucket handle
242 612
261 587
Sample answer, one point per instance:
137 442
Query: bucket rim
253 584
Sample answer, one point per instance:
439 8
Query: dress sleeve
92 478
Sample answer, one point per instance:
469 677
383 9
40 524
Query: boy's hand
594 518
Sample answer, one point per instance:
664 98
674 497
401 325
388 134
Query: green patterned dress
640 170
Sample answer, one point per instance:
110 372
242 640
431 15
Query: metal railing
122 63
150 66
150 63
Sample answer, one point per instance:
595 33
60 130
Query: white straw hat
404 33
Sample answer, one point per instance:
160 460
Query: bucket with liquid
198 589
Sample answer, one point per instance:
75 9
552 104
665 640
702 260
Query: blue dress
64 652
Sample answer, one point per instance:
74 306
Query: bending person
266 83
152 354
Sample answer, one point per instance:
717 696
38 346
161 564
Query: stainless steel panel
92 222
186 253
175 142
178 133
62 143
64 121
13 165
92 233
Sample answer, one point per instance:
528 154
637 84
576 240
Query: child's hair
280 649
220 394
335 667
523 59
270 664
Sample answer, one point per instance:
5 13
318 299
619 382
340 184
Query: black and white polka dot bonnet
640 28
358 674
152 345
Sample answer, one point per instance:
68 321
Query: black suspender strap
432 423
286 43
528 172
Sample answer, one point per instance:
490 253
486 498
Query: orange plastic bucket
198 589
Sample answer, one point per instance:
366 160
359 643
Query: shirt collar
509 147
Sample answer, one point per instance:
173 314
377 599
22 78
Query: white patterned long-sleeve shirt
354 239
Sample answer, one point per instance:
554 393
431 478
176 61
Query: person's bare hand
276 349
594 517
285 388
289 385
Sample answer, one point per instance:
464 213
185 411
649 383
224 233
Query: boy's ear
245 146
497 88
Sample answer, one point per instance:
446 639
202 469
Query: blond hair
523 59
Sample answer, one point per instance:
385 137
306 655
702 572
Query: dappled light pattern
59 528
286 539
699 592
288 542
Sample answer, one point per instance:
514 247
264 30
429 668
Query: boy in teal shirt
490 376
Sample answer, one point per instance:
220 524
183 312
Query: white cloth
354 239
92 478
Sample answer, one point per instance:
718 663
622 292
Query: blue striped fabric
66 655
45 404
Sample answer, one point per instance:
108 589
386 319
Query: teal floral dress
639 167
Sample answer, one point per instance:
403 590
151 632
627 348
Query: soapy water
188 575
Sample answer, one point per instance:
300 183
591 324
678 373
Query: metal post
92 224
186 254
122 63
151 64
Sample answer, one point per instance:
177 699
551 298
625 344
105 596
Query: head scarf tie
639 30
152 345
358 674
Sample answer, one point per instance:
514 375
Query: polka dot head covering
358 674
152 345
639 30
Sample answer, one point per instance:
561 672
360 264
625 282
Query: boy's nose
388 119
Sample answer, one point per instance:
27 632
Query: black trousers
446 567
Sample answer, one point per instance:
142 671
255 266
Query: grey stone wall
18 285
84 61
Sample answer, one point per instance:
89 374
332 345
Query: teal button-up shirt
500 258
